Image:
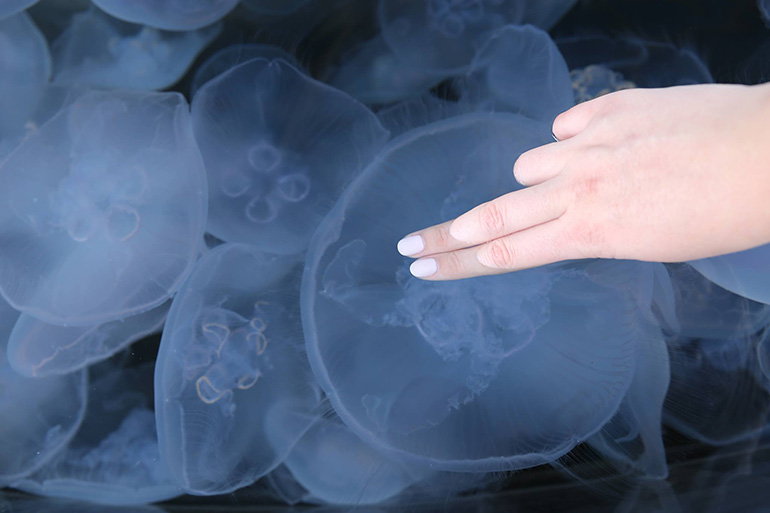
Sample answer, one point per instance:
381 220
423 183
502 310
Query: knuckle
500 255
440 237
492 218
451 265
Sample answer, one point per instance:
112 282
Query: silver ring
554 137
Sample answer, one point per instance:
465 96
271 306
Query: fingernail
411 245
423 268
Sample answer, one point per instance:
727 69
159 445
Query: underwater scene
202 305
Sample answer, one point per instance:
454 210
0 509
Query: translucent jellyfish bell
746 273
102 209
715 395
443 35
38 349
11 7
231 56
520 69
114 457
706 310
100 51
337 467
633 439
495 373
168 14
25 68
231 358
279 147
40 416
374 74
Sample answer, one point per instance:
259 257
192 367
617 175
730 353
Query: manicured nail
423 268
411 245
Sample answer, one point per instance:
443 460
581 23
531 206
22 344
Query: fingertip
411 245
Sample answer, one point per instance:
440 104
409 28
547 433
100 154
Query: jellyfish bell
40 416
37 349
177 15
278 147
101 217
231 361
232 56
98 50
337 467
746 273
443 35
495 373
25 68
519 69
113 459
10 7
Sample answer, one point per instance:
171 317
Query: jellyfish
278 147
764 10
25 68
495 373
101 209
716 394
37 349
706 310
231 363
11 7
337 467
746 273
114 458
633 439
374 75
597 80
40 416
633 61
168 15
100 51
232 56
418 111
520 69
443 35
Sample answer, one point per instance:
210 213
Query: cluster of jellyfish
253 223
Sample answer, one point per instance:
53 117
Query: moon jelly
442 35
337 467
25 67
231 56
746 273
11 7
37 349
521 70
494 373
715 394
168 14
114 457
231 363
279 147
40 416
100 51
102 209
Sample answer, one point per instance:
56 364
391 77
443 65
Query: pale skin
665 175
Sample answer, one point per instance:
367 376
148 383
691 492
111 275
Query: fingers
543 163
540 245
570 123
509 213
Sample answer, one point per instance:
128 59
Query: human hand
662 175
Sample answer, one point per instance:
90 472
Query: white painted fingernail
411 245
423 268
